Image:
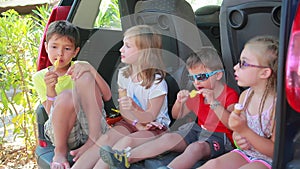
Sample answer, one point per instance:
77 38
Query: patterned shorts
79 133
250 159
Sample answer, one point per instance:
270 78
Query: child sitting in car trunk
76 114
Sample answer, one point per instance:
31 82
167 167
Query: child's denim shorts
219 143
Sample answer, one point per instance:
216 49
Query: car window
108 16
197 3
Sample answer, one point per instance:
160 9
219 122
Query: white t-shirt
141 95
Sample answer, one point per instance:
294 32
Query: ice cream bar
238 108
193 93
122 93
56 63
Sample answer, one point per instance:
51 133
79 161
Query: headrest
179 8
207 10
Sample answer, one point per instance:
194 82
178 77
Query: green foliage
41 17
19 41
109 15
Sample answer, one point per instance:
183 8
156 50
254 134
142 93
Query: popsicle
193 93
56 63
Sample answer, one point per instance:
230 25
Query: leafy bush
20 39
109 15
19 42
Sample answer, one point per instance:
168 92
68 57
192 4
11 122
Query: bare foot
78 152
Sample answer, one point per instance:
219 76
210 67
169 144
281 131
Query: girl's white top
141 95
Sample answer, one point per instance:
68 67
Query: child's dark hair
64 28
206 56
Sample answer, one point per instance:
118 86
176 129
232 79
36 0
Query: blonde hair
206 56
148 41
266 48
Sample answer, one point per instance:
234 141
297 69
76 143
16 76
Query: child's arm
261 144
179 109
103 86
50 81
240 141
137 113
222 112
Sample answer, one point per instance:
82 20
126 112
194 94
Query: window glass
109 16
199 3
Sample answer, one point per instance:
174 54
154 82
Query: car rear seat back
176 21
239 22
207 20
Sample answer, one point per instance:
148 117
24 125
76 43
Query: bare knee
85 79
64 99
64 105
213 163
124 142
169 140
104 140
199 149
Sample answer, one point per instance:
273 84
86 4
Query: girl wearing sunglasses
207 138
254 129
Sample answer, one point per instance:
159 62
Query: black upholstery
207 20
173 89
176 21
239 22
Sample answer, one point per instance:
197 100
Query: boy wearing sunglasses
209 137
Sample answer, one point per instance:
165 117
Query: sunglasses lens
201 77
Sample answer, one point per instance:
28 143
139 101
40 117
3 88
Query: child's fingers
243 143
50 78
234 116
207 94
125 102
156 124
70 70
236 136
182 95
153 125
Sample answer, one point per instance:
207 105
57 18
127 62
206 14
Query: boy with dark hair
76 114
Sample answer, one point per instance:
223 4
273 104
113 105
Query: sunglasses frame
204 76
245 64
